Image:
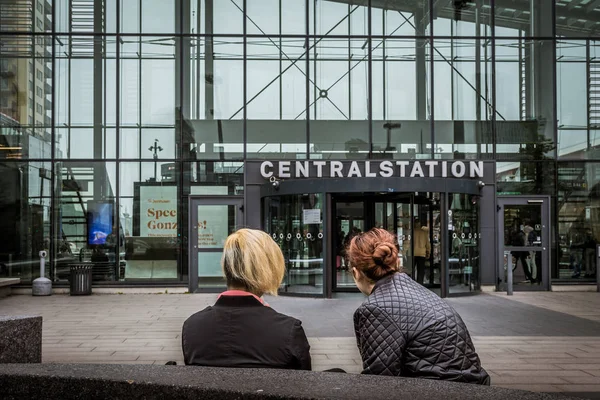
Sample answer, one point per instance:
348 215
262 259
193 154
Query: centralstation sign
371 169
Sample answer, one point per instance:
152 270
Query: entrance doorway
403 215
211 220
523 240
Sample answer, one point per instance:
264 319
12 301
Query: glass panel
525 109
149 209
523 228
25 97
516 178
214 224
88 222
389 17
350 220
462 18
423 268
517 19
210 178
578 220
404 228
572 98
463 95
576 18
336 18
26 16
463 238
25 219
276 86
296 223
339 99
275 16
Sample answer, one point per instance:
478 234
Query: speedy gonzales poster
158 214
158 211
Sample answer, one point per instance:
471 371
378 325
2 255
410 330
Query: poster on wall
158 211
158 214
212 226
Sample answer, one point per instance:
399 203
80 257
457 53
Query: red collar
242 293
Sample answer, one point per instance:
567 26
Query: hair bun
383 255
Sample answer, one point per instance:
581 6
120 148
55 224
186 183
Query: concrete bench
20 339
85 381
6 283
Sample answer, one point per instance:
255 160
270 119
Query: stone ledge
185 382
9 281
20 339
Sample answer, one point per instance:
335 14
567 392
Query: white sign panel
158 211
311 216
212 226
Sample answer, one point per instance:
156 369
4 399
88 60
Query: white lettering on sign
284 169
402 165
368 173
417 170
386 169
302 169
263 169
354 170
336 169
372 169
319 165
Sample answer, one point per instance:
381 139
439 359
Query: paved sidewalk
546 342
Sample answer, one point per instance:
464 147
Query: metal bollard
42 286
509 277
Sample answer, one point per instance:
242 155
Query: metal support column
209 98
445 246
420 66
100 177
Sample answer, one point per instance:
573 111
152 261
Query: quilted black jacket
403 329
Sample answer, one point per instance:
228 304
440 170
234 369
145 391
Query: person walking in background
402 328
241 330
422 249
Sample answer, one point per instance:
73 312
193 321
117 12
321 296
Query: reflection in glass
350 221
519 178
89 228
25 220
523 228
463 239
525 112
578 221
296 223
214 224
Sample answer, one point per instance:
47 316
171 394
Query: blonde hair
252 260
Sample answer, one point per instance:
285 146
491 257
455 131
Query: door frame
502 202
369 201
194 202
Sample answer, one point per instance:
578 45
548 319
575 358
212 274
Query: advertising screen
99 221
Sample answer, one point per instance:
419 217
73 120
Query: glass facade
113 113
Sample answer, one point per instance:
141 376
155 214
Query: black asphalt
485 315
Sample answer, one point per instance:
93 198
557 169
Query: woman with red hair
402 328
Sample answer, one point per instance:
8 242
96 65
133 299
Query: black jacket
239 331
403 329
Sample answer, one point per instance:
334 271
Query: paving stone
530 338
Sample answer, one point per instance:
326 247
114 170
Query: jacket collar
384 281
239 298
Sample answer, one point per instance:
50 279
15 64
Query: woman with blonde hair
403 329
241 330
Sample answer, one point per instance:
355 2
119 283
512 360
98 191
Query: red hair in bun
374 253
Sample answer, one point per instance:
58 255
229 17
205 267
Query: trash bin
80 280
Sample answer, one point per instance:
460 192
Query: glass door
349 221
211 221
524 243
